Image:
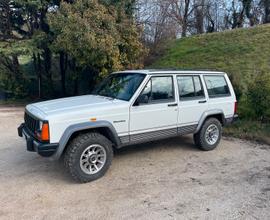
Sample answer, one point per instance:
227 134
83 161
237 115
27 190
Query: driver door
156 108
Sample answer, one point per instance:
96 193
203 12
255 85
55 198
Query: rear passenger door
193 102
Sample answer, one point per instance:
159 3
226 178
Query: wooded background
53 48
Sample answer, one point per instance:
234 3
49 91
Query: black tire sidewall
75 165
203 143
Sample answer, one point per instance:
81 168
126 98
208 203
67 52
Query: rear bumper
231 120
33 145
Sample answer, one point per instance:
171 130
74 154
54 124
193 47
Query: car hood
71 104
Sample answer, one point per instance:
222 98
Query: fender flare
207 114
81 127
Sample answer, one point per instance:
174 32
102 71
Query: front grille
31 123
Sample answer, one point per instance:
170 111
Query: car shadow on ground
34 166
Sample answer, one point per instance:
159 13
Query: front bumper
34 145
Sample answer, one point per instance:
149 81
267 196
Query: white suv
127 108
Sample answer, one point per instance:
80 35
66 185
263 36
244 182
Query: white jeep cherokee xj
127 108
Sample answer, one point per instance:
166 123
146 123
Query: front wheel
209 135
88 157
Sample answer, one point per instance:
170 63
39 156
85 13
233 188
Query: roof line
175 69
153 71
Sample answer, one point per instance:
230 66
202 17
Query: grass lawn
241 53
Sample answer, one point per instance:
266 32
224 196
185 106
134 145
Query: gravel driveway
169 179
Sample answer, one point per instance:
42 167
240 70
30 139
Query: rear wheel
88 157
209 135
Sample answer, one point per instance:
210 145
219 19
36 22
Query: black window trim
220 95
184 99
161 101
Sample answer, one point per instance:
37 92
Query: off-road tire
199 138
76 148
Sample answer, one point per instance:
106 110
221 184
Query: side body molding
81 127
207 114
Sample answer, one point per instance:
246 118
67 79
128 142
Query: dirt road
169 179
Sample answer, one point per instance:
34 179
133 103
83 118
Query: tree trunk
47 62
16 67
211 25
238 19
5 21
76 85
47 56
63 67
43 25
184 30
35 68
266 4
199 20
39 74
74 69
185 18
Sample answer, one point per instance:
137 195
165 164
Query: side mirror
142 99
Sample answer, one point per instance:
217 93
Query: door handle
172 105
203 101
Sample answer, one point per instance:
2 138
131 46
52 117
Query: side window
190 87
162 88
217 86
159 88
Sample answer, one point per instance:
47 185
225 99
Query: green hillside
241 53
245 55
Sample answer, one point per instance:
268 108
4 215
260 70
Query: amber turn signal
44 135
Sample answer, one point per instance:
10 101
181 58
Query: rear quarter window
217 86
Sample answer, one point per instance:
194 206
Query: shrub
256 104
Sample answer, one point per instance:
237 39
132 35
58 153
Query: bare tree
156 23
210 17
180 11
266 7
237 15
158 27
163 20
199 15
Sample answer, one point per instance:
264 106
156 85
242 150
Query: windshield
120 86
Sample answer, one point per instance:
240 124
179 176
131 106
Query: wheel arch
103 127
218 114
